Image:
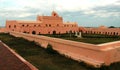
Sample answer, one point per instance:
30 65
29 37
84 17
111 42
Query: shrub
50 50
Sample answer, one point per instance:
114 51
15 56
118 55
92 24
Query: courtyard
45 60
87 38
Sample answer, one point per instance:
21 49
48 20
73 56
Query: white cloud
102 13
22 6
62 5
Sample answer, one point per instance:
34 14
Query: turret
54 14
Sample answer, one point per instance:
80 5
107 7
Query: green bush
50 50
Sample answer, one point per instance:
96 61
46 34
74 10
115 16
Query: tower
54 14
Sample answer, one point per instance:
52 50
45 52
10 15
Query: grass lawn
44 60
88 38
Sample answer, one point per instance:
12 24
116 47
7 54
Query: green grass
45 60
88 38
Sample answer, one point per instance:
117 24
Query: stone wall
95 55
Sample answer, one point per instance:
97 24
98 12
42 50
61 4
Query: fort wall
95 55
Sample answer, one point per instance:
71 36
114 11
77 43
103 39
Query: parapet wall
10 60
82 52
3 30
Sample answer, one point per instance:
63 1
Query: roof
69 23
19 21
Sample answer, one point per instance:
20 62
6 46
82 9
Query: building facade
54 25
43 25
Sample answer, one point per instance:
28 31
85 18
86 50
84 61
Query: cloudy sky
89 13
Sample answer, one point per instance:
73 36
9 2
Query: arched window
57 24
114 33
39 25
66 32
33 32
46 25
48 32
22 25
59 33
39 33
49 25
24 32
14 26
9 26
70 31
27 25
64 25
34 25
54 32
105 32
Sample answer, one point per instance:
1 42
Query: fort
43 25
95 55
54 25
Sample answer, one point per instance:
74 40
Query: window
70 31
49 25
39 33
46 25
64 25
34 25
116 33
33 32
14 26
22 25
59 33
66 32
48 32
57 24
9 26
39 25
27 25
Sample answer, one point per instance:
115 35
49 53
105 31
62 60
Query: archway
54 32
24 32
70 31
33 32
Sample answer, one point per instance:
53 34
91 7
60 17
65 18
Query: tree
111 27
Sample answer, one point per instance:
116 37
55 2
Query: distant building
43 25
101 30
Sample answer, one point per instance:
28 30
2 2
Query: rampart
95 55
10 60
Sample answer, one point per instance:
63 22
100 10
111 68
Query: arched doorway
24 32
70 31
54 32
33 32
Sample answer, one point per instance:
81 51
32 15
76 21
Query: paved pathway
8 61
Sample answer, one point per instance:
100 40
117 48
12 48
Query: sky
88 13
